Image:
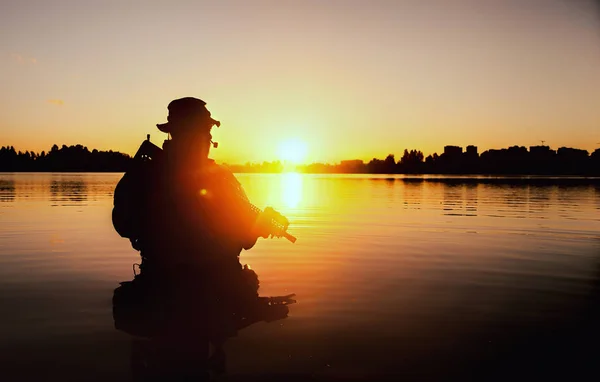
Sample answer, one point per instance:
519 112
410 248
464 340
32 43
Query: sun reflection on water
291 189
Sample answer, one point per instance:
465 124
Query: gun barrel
289 237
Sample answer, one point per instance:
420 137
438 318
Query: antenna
543 142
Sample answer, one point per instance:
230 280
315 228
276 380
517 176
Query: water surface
391 274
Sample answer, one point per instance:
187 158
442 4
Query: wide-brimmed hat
185 108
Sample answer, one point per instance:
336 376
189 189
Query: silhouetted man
190 219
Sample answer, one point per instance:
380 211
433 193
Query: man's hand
264 226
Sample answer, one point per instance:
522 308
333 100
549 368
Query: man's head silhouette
189 123
188 115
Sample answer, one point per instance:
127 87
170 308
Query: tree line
516 160
76 158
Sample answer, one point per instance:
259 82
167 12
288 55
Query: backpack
129 207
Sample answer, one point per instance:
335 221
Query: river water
421 278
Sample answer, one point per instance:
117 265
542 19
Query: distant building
517 150
567 152
453 150
472 150
541 150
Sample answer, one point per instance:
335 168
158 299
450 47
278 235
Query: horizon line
304 163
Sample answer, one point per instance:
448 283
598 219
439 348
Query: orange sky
352 79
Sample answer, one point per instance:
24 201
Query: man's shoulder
222 170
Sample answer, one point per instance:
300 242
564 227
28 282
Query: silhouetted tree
390 164
411 162
376 166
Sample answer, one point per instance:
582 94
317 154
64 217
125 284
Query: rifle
278 223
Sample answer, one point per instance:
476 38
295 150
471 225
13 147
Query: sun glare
293 151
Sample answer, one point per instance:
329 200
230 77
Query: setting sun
292 151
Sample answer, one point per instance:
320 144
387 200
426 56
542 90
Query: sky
350 79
